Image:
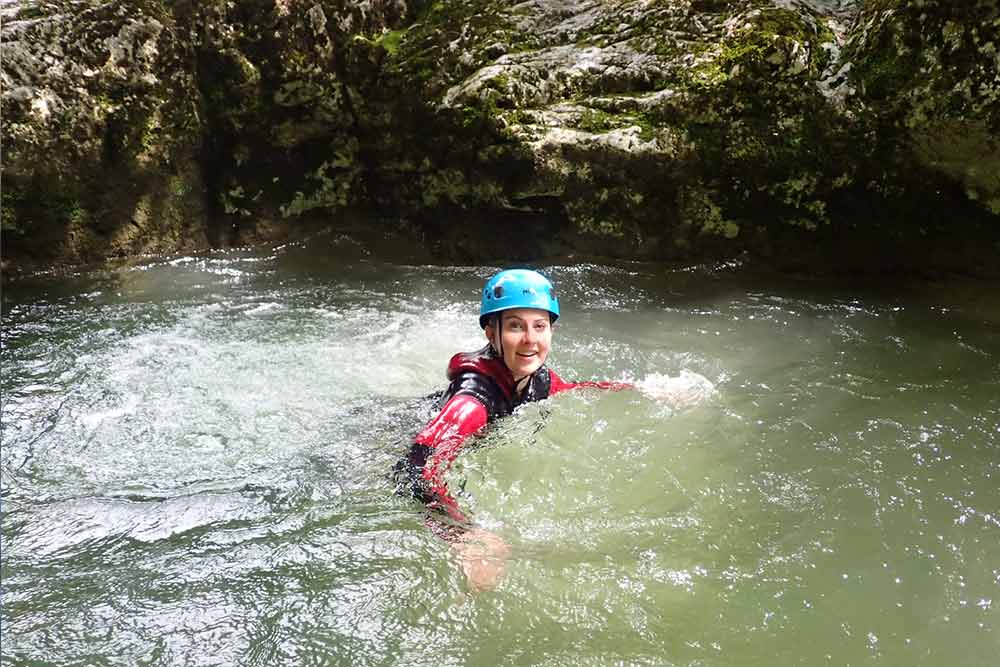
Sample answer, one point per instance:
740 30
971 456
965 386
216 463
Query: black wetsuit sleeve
408 473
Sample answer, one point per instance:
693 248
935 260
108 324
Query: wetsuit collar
486 362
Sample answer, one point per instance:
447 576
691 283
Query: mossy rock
663 128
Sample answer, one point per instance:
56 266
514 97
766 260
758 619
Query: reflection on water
195 458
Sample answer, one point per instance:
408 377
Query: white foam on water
678 392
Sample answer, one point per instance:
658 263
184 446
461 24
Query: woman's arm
679 392
558 384
435 449
481 554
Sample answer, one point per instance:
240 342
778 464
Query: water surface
195 457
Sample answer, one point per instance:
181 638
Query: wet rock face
681 127
662 124
148 126
101 130
932 69
59 73
285 81
660 128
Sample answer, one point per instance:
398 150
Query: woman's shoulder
556 383
482 375
481 361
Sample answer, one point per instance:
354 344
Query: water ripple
196 452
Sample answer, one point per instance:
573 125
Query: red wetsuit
481 389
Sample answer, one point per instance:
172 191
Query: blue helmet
517 288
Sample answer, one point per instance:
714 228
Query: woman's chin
522 368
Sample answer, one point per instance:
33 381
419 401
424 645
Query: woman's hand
482 555
679 392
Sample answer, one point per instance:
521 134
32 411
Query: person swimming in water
517 310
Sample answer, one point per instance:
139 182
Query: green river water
195 458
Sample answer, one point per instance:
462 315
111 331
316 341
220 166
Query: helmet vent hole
498 291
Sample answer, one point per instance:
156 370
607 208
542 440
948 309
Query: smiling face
525 338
